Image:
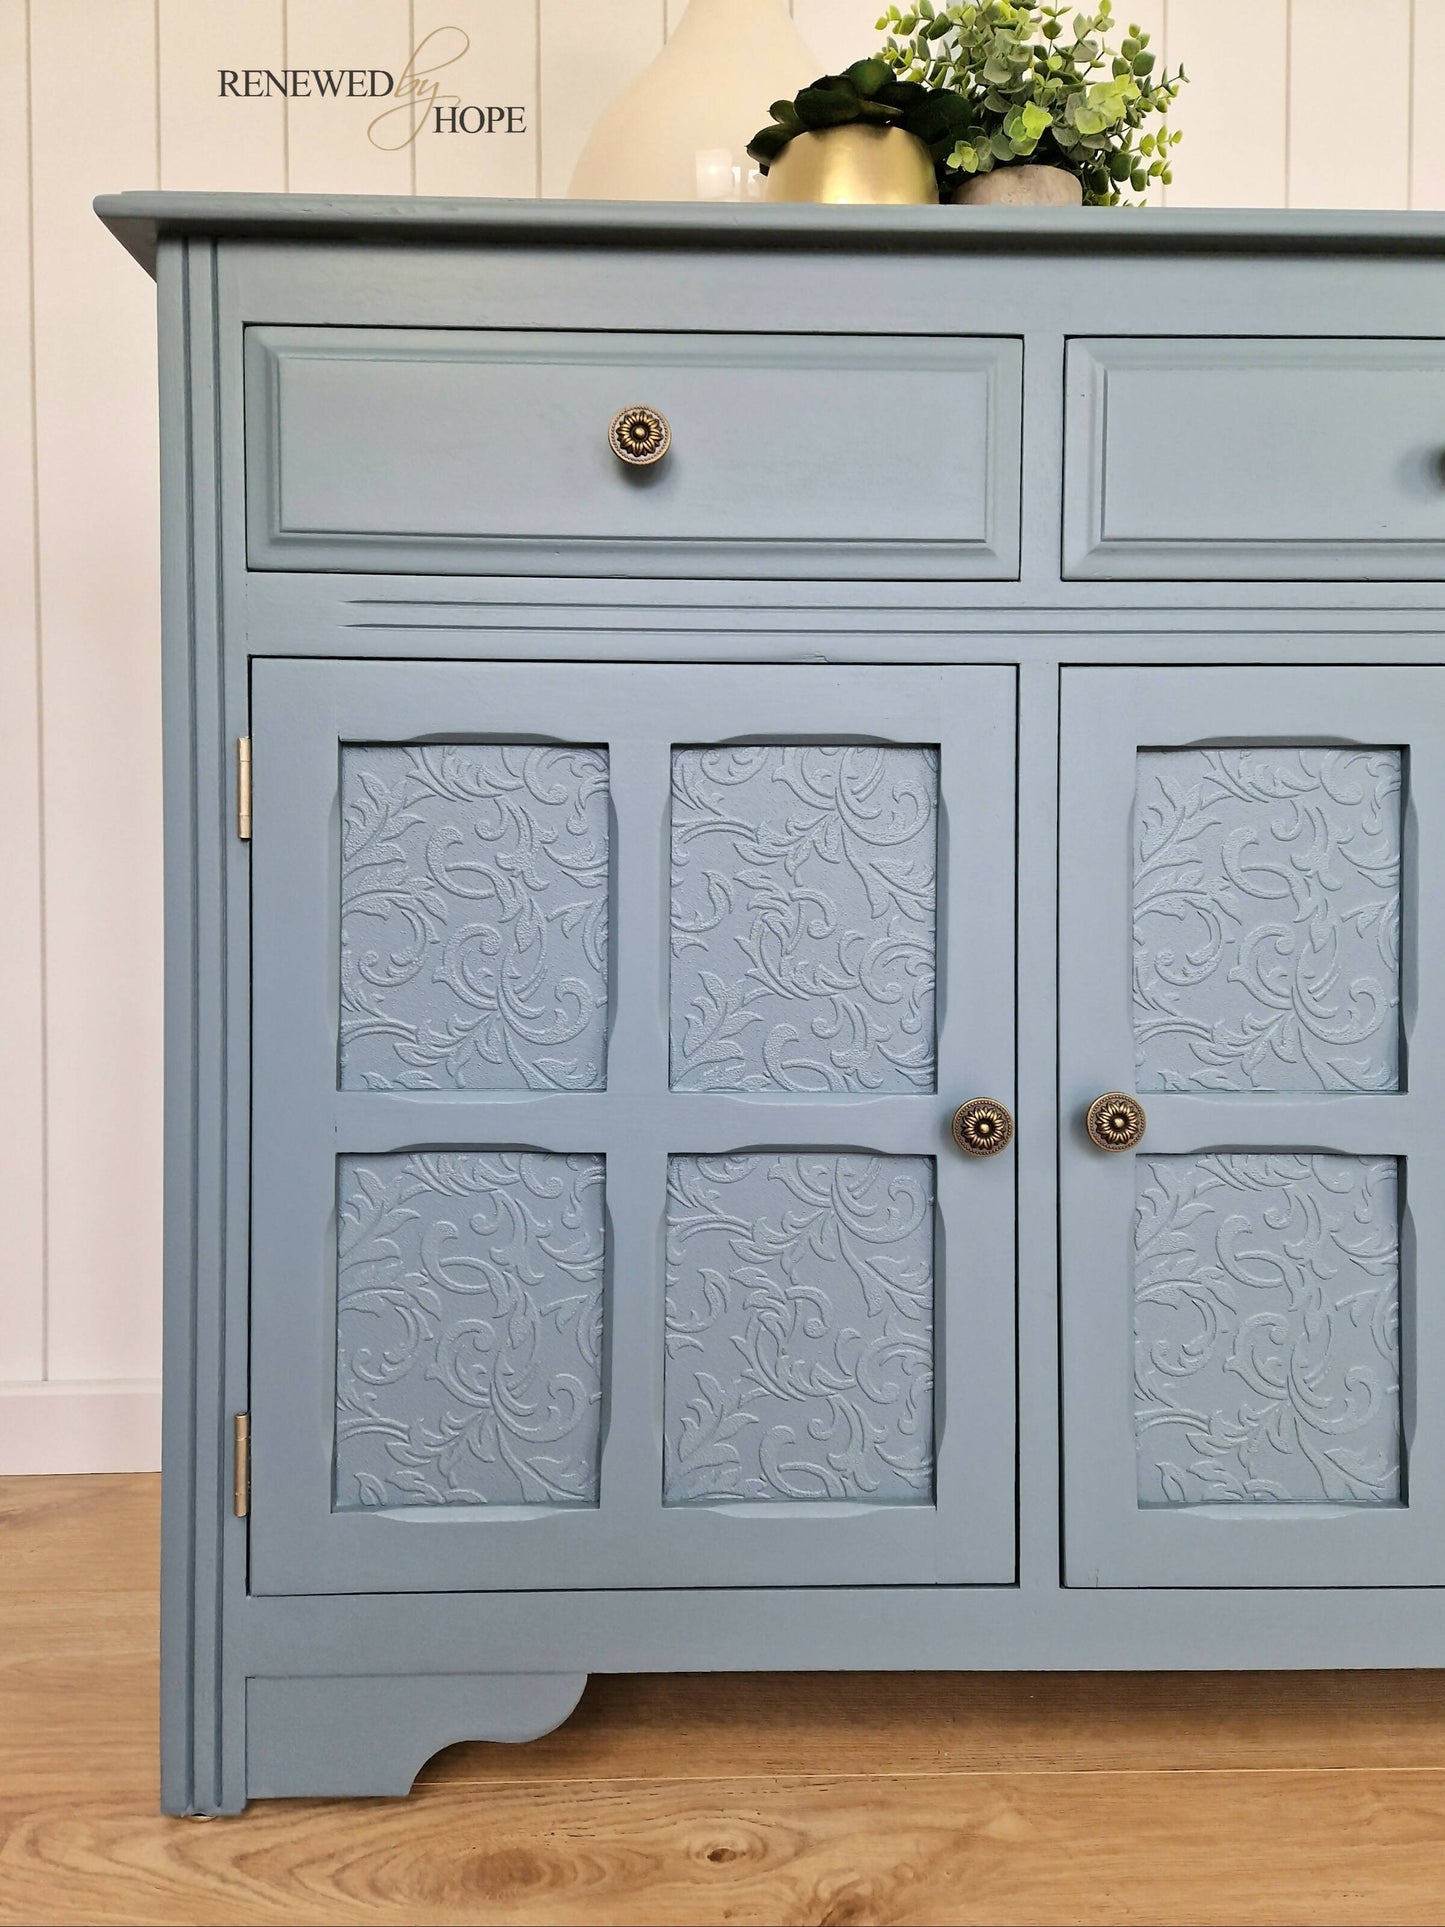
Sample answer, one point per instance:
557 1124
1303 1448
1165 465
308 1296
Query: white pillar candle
716 174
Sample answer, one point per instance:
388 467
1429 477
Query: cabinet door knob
983 1127
1116 1121
639 436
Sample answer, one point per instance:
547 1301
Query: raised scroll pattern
469 1329
803 918
1266 1330
799 1328
1267 920
473 918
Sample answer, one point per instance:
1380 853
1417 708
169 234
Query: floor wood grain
841 1798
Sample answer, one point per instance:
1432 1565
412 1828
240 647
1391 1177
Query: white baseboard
99 1425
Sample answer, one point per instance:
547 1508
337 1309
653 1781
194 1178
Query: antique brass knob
639 436
1116 1122
982 1127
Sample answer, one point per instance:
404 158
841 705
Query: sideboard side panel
195 1426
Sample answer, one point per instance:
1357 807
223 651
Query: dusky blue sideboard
667 707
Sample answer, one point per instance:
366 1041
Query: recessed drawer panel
1262 460
396 450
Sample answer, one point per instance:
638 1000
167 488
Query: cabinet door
608 1025
1252 935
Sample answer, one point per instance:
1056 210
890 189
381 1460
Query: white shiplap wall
108 94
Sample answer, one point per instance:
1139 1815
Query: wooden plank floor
880 1798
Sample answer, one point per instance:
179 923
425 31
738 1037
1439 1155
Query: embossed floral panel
1267 920
803 918
799 1361
469 1329
1266 1330
474 884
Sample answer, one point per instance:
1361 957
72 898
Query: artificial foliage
872 94
1041 84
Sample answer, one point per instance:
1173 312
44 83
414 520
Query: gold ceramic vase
859 165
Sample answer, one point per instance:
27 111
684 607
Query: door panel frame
1107 716
302 712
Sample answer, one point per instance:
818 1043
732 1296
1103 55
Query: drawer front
416 451
1255 460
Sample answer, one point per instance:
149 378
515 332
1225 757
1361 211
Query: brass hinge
243 788
241 1497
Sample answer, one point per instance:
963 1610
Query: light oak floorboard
78 1697
61 1535
721 1726
990 1847
839 1798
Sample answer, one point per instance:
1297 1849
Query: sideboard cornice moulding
139 219
1019 678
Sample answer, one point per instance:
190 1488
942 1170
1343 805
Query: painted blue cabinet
820 1051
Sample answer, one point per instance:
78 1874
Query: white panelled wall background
107 94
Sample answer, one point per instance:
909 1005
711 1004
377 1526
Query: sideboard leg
326 1738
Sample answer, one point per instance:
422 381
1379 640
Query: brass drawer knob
983 1127
639 436
1116 1121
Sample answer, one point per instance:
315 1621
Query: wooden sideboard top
139 220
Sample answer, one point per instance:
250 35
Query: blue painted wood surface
1034 1555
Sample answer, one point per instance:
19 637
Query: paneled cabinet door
608 1026
1253 951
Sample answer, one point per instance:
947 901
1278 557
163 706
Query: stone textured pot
1020 186
858 164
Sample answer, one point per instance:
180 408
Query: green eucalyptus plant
1042 88
869 92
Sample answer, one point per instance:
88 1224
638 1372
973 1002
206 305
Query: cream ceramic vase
680 132
1020 185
